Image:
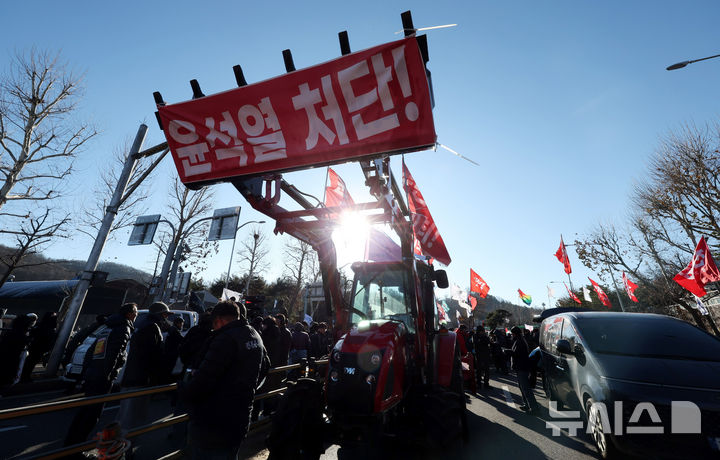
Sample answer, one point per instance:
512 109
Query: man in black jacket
522 366
144 364
221 391
103 361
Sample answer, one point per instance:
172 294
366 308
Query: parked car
642 369
73 370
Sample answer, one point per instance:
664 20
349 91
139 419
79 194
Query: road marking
111 407
12 428
508 397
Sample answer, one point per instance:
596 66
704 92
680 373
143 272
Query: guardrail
309 367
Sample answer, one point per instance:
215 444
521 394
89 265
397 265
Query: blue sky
560 102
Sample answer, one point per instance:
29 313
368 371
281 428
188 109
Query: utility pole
111 211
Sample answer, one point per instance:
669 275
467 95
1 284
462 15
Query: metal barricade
309 368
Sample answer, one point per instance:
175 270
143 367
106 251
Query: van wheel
602 439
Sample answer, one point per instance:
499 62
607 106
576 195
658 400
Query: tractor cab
381 291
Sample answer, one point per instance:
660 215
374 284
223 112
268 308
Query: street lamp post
232 251
682 64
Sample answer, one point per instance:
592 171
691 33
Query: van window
552 328
569 334
650 337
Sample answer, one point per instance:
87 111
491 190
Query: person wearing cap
522 366
220 391
144 364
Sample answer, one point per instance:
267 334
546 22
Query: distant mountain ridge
63 269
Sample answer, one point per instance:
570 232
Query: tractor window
381 295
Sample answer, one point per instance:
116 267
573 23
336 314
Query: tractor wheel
297 430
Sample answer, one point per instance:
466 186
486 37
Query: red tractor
392 368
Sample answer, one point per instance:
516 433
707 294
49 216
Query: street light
232 251
682 64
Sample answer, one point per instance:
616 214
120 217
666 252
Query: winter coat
12 345
300 341
271 340
193 345
520 356
106 356
482 347
171 350
144 363
220 392
285 343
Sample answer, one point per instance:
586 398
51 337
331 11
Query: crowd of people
514 350
225 360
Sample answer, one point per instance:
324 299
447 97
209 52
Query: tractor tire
297 430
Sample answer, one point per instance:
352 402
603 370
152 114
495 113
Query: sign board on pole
184 283
224 224
143 230
367 103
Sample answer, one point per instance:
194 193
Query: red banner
600 293
477 284
700 271
562 256
336 194
572 294
630 287
424 227
365 103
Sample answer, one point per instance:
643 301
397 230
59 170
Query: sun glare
350 237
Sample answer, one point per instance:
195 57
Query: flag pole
565 249
327 173
622 307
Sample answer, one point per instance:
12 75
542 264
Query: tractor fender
445 343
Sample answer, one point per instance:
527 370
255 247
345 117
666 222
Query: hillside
59 269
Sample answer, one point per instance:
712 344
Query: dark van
646 384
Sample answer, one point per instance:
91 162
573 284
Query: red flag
423 224
473 302
336 194
630 288
477 284
700 271
603 297
572 294
562 256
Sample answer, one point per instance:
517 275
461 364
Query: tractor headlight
336 356
375 359
370 379
334 376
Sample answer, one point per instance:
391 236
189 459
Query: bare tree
186 208
253 252
38 141
132 204
37 231
300 266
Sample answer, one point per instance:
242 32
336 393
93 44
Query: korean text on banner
362 104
